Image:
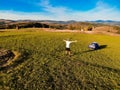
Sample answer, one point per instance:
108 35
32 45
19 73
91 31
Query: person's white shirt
68 43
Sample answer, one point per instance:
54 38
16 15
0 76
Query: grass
43 65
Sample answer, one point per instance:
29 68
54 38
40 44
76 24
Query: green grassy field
43 64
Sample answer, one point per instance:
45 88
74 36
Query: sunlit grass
44 65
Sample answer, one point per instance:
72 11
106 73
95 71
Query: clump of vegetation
90 28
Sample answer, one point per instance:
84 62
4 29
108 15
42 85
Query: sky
60 10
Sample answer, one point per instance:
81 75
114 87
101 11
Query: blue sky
80 10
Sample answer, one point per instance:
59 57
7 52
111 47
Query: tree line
85 26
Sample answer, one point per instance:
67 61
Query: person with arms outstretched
68 42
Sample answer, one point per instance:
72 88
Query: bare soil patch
99 30
5 56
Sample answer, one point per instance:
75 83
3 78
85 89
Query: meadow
43 65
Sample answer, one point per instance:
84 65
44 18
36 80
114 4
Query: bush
89 28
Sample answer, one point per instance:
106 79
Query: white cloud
22 15
101 11
53 10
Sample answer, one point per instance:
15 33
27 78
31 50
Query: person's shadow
90 50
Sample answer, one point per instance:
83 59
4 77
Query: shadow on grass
96 65
101 47
100 66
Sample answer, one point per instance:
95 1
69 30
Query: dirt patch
100 30
5 56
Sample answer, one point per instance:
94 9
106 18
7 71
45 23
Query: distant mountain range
110 22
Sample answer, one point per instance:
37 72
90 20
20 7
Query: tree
89 28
